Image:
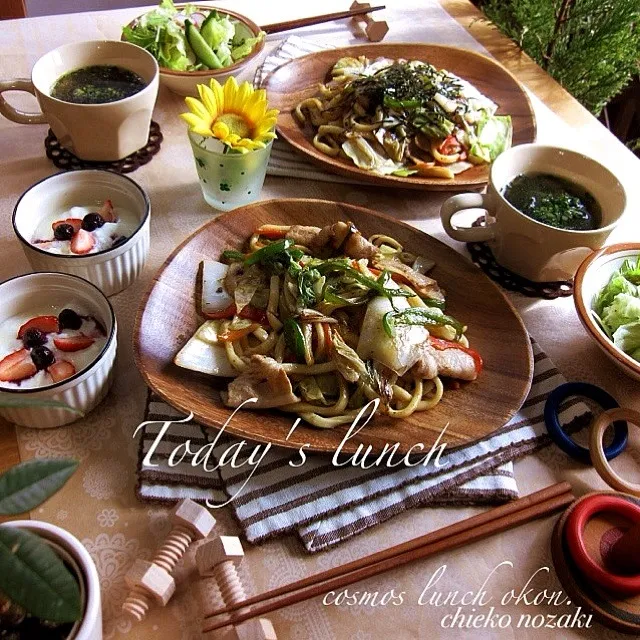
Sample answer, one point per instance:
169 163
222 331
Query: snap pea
203 51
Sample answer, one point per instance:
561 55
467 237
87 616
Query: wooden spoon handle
596 448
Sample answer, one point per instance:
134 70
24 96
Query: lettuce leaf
624 309
242 48
617 284
627 338
161 36
218 30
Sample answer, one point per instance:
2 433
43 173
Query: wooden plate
168 317
299 78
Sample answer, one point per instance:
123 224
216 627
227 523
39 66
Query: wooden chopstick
277 27
501 518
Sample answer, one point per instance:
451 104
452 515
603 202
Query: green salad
617 308
188 39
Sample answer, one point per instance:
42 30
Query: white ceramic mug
100 132
532 249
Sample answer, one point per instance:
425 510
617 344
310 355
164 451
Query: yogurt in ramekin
48 349
103 235
110 265
88 347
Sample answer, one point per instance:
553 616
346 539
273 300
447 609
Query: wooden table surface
99 506
511 57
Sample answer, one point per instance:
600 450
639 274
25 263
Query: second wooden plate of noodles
298 79
168 317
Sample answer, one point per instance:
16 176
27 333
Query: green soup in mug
554 201
97 84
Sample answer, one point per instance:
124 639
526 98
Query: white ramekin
71 550
111 270
87 388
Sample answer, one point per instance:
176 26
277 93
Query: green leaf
30 483
34 577
20 403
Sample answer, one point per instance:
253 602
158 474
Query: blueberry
42 357
69 319
33 338
63 232
92 221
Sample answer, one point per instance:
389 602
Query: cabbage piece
398 352
204 355
310 391
248 284
493 136
627 338
349 364
624 309
366 157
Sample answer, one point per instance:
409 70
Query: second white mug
532 249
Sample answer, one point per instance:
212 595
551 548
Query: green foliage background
596 49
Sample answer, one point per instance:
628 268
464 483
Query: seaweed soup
554 201
97 84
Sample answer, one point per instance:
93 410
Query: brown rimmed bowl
184 83
593 274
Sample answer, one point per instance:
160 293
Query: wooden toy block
147 582
256 629
373 29
219 558
153 580
191 522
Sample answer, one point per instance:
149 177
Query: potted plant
49 585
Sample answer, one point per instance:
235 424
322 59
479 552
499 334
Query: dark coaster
482 256
66 160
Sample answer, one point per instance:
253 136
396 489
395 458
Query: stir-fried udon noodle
320 322
404 118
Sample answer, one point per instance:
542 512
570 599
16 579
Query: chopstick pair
278 27
507 516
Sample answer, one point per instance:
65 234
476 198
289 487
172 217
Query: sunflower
236 115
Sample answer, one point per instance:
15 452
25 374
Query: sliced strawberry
76 223
46 324
73 343
17 366
61 370
107 212
82 242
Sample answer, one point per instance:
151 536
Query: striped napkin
284 160
326 505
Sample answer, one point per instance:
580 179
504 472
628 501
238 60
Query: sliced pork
264 379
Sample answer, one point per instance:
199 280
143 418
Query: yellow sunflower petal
197 108
230 90
208 100
218 92
196 125
244 92
220 130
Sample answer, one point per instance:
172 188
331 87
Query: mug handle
21 117
462 202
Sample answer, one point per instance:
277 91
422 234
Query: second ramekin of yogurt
58 342
89 223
